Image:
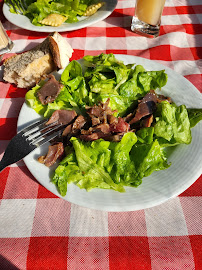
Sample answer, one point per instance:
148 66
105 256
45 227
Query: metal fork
29 139
19 6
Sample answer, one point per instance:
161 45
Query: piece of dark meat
147 121
63 117
54 152
79 122
115 137
75 127
49 91
104 128
145 107
95 121
101 112
67 130
119 126
161 98
93 136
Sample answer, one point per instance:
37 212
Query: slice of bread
27 68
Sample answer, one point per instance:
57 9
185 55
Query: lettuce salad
37 10
113 165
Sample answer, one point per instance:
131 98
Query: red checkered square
127 224
197 53
115 21
35 35
184 10
160 53
88 253
20 184
196 244
44 193
47 253
195 189
193 29
169 11
117 13
91 52
78 54
3 179
19 35
115 32
195 79
52 218
182 54
77 33
192 207
11 107
117 51
7 128
172 252
129 253
173 28
96 31
13 253
197 9
129 11
14 92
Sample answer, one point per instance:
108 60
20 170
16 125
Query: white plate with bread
23 22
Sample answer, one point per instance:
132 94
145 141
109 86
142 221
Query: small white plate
155 189
24 22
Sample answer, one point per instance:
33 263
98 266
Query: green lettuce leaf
172 124
40 9
105 77
109 165
148 158
195 116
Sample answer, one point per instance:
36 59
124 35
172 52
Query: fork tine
34 139
9 2
20 3
17 6
49 138
24 3
31 128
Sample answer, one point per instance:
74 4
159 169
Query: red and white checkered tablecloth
40 231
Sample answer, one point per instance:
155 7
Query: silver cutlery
28 139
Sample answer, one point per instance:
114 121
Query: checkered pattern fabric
40 231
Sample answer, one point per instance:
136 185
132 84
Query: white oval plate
24 22
155 189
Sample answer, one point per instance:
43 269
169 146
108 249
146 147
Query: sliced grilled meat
54 152
50 90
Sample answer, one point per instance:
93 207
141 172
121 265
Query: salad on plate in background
54 12
119 124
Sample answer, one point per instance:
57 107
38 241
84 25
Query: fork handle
3 165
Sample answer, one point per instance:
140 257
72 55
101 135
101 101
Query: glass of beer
147 18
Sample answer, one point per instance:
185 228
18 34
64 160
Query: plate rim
129 207
101 15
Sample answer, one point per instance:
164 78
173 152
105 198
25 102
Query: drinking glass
147 18
6 43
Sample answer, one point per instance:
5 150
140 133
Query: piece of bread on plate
26 69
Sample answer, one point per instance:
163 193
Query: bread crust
26 69
55 52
